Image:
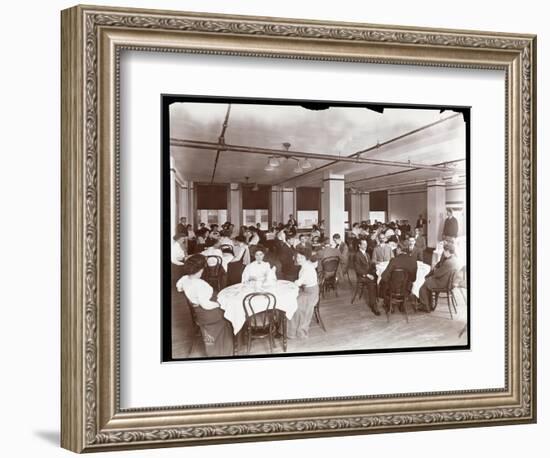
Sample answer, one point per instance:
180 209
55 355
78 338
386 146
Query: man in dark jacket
366 273
286 253
450 228
401 261
439 276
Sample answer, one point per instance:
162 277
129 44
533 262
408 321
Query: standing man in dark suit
421 223
181 227
401 261
286 253
366 272
450 228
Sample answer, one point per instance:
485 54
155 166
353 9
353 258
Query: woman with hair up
308 296
215 329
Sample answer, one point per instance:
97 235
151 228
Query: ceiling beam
378 146
400 172
221 142
317 156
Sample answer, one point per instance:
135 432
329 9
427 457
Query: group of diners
216 331
250 254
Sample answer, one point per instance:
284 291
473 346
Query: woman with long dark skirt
217 332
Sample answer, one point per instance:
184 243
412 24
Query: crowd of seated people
282 252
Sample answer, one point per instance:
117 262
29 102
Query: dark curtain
308 198
256 200
211 196
379 201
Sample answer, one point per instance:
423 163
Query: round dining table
421 272
231 300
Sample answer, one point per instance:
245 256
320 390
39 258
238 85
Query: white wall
407 205
29 329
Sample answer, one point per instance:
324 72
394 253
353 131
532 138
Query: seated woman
215 329
308 296
259 271
315 232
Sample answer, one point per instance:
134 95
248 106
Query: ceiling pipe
323 157
408 184
221 142
379 145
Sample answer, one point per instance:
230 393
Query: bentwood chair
329 277
262 318
317 313
213 272
360 288
448 291
226 248
398 292
196 333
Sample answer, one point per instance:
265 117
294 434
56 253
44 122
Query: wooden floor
348 327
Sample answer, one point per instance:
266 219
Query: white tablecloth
231 300
422 271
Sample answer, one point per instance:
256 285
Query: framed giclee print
278 228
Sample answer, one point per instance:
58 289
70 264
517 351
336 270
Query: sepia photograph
304 227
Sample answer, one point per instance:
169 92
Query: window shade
379 201
308 198
256 200
211 196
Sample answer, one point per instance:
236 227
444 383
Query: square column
436 211
235 214
289 203
356 214
173 198
183 200
277 205
191 210
334 202
365 206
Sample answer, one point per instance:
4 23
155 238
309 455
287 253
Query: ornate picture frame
92 40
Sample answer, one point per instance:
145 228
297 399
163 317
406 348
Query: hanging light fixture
255 187
305 164
273 161
268 167
298 168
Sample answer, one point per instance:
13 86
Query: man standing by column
450 228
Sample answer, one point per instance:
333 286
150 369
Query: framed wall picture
276 228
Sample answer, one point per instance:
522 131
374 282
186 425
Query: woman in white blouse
258 271
308 297
215 329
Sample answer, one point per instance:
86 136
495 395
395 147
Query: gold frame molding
92 39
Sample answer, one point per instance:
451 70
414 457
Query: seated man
329 250
382 252
413 251
304 243
366 272
401 260
439 276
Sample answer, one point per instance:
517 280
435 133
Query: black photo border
166 282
